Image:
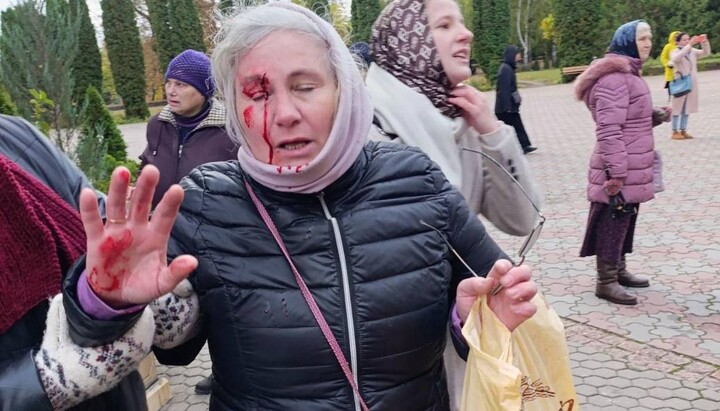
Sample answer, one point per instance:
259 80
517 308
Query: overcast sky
93 5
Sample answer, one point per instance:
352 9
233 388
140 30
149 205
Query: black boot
204 387
607 285
628 279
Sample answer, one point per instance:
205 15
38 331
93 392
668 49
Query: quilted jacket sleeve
611 100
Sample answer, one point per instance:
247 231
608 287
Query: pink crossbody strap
324 327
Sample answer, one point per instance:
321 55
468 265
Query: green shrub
480 82
109 164
96 117
6 104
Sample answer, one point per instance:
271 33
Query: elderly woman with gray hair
319 265
621 166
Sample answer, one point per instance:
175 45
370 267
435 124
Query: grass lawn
547 77
544 77
119 116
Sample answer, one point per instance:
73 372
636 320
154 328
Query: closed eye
304 88
259 97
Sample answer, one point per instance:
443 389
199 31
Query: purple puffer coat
621 105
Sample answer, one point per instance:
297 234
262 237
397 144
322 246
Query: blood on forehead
254 85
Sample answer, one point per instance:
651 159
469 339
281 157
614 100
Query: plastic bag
526 370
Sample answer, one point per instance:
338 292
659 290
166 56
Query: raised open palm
126 256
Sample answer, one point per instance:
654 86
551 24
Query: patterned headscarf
624 41
402 44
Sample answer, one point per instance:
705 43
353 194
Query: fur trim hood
611 63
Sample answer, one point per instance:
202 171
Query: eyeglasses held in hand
529 241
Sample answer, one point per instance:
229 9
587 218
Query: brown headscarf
402 44
40 237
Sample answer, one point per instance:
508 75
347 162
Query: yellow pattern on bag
526 370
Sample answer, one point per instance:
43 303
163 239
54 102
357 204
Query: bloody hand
126 257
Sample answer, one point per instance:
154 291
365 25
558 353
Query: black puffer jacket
20 387
384 282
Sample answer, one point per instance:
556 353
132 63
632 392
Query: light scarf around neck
353 118
412 116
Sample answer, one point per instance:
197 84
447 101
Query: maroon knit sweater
40 237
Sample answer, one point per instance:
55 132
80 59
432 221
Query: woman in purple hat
190 129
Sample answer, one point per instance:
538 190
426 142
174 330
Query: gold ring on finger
116 220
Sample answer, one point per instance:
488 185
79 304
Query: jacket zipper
346 293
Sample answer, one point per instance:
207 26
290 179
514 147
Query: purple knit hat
192 67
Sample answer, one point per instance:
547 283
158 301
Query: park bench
569 73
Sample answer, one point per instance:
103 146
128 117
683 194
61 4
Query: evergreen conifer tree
363 14
492 34
122 39
95 117
185 22
576 25
87 69
162 33
176 27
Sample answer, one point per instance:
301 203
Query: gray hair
643 27
242 31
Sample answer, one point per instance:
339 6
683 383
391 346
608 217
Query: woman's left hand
475 109
511 305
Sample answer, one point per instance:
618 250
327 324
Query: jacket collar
215 117
611 63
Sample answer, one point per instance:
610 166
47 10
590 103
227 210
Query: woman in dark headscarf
621 166
507 97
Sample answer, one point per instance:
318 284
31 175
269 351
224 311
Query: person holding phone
684 59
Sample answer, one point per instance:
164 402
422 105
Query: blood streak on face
266 135
247 116
250 91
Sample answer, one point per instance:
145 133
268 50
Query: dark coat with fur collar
620 103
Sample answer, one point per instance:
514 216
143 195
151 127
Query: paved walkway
664 353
